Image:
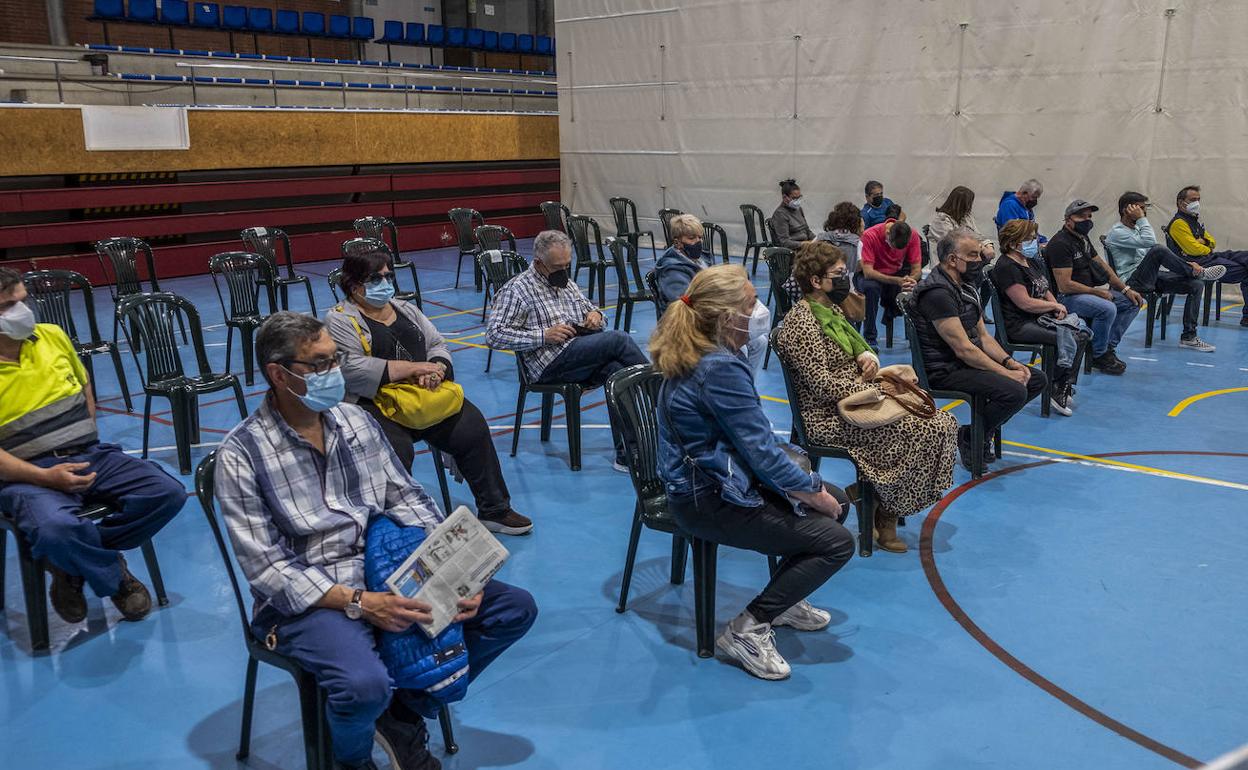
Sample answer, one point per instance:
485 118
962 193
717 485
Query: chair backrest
906 306
712 232
625 213
755 225
465 221
779 268
771 232
633 393
334 276
666 216
556 215
50 294
622 254
499 267
799 424
652 286
267 242
1109 256
244 273
205 491
382 229
490 237
581 229
153 317
119 261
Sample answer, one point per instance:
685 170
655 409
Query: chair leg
704 553
246 338
153 572
977 441
459 266
229 347
34 594
996 443
767 357
628 315
4 557
242 402
888 333
572 410
1208 301
440 469
1150 315
181 430
489 357
629 558
448 731
121 377
866 521
515 433
147 420
1046 366
773 565
312 717
249 705
680 552
548 413
311 300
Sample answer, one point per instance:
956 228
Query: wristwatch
354 609
1007 361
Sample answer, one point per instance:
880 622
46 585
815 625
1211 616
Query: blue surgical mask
324 390
379 292
1031 248
796 203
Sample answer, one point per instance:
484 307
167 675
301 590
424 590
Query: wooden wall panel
50 141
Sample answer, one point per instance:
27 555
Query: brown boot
132 598
67 597
886 532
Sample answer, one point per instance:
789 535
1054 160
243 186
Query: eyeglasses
375 277
322 366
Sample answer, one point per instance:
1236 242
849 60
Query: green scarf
839 329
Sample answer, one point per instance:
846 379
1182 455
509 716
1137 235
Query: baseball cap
1079 204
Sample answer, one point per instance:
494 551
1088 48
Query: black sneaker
1243 321
1060 402
510 523
67 597
1114 355
132 599
990 456
405 741
1108 363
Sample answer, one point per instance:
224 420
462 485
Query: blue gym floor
1081 607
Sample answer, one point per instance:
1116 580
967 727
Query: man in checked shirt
298 482
543 313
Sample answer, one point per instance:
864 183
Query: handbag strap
368 349
925 408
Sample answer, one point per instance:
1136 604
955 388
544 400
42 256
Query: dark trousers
812 548
592 359
464 436
341 654
877 293
1003 396
144 496
1236 264
1180 279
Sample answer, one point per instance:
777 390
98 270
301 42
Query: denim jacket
715 439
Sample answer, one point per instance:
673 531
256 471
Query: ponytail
690 327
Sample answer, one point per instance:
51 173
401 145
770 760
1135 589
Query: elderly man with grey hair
958 352
298 482
542 313
1019 204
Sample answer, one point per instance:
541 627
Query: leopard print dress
909 463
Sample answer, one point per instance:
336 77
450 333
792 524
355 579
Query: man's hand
390 612
1133 295
907 283
66 477
1196 269
559 333
1103 294
1059 310
1019 373
594 320
468 608
868 365
1135 211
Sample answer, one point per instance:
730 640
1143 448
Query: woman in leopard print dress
910 462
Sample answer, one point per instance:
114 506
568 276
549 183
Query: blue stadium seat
391 32
545 45
109 9
415 33
525 43
313 24
339 26
476 38
455 37
490 41
142 11
234 17
435 35
287 22
507 42
207 15
260 19
362 28
173 12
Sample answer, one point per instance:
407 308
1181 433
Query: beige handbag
875 409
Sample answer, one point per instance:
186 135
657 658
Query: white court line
170 448
1051 458
597 426
1243 369
1206 366
1142 358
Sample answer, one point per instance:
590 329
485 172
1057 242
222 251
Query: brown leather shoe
886 532
132 599
66 596
510 523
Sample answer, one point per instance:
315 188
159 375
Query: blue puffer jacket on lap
438 666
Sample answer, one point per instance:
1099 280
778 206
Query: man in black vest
958 353
1186 235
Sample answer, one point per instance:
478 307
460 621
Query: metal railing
56 69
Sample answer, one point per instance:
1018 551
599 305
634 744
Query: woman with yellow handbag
399 369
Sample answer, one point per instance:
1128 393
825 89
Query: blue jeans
144 496
341 654
1108 319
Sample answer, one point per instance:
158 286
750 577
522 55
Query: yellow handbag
409 404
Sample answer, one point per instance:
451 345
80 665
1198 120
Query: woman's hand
1059 310
821 501
868 364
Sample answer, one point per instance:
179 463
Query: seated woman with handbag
727 479
399 369
902 443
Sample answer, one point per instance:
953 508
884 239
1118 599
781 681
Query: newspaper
454 562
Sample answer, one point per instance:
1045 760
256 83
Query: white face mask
796 203
1193 208
18 322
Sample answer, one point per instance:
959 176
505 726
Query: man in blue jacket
1020 204
875 210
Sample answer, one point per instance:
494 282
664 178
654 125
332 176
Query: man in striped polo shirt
52 465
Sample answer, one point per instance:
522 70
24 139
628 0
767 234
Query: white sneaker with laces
1196 343
804 616
753 645
1212 273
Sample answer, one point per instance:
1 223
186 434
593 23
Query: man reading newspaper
298 482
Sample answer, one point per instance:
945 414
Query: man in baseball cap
1087 285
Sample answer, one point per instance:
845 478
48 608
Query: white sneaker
1196 343
1212 273
753 645
804 617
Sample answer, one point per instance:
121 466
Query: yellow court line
1231 306
457 312
1129 466
1185 403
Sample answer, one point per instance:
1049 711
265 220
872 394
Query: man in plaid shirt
543 314
298 482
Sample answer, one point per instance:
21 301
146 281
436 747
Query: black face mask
877 199
1029 205
692 250
840 289
559 278
973 273
1084 227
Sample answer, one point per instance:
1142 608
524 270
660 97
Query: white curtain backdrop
706 105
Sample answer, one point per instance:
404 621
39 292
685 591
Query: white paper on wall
135 128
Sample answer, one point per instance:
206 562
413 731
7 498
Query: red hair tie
685 299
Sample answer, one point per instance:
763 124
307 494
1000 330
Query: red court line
928 558
154 418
